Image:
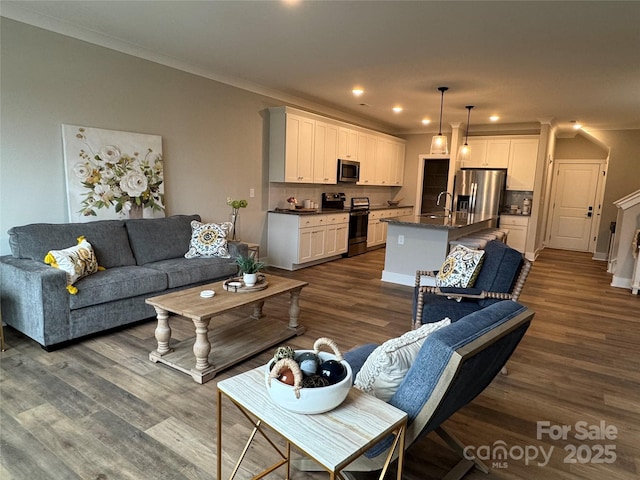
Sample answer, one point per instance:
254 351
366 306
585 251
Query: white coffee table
333 439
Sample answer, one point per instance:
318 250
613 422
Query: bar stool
500 234
477 243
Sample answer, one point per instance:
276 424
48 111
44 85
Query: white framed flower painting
112 174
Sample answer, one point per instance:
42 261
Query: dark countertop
318 211
516 214
438 221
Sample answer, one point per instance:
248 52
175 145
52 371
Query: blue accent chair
502 276
454 365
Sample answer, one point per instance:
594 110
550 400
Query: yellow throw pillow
77 262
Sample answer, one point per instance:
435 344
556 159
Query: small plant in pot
249 267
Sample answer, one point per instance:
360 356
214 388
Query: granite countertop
318 211
387 207
515 214
438 221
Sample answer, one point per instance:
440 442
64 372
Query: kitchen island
421 242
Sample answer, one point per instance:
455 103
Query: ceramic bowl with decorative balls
308 381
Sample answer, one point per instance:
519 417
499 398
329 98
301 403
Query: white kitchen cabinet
295 240
523 157
377 230
367 147
518 226
488 152
305 148
347 143
396 170
325 157
291 147
337 225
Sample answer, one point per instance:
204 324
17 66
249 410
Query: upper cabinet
325 158
523 156
291 147
347 143
305 148
488 153
517 154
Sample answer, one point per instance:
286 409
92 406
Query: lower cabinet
295 240
377 230
517 226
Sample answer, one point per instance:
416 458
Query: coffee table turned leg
163 332
202 345
294 308
257 310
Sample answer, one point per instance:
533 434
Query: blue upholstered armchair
454 365
502 276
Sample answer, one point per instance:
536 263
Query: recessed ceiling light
426 121
357 91
494 118
576 125
397 109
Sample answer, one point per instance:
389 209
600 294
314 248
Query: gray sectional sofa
142 258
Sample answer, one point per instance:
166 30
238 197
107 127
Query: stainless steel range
358 209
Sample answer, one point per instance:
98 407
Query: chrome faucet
445 193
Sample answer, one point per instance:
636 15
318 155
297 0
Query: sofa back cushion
107 237
155 239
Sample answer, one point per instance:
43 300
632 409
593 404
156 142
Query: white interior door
573 208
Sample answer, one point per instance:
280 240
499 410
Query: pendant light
439 142
465 150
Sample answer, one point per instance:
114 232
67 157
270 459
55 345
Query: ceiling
524 61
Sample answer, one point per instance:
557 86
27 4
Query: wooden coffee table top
190 304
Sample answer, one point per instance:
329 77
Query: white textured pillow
209 240
386 367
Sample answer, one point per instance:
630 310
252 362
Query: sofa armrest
34 299
238 249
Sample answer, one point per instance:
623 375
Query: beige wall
623 175
214 136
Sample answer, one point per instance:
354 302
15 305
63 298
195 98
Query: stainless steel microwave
348 171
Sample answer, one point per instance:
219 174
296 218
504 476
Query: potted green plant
249 267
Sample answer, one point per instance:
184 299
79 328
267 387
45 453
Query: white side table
333 439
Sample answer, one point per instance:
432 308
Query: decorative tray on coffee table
237 285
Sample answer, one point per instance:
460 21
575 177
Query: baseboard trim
600 256
621 282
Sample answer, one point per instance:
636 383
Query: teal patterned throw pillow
209 240
460 268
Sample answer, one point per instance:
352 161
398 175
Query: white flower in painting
82 170
109 153
134 183
103 192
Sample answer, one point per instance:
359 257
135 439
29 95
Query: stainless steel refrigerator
480 190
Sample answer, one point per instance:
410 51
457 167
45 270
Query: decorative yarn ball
309 367
314 381
283 352
308 362
333 371
286 376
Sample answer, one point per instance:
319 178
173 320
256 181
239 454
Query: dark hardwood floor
101 410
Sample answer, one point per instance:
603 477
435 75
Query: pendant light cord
466 137
442 90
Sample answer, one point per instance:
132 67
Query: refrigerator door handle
472 197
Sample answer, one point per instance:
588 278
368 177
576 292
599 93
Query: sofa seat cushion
183 271
155 239
107 237
116 284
